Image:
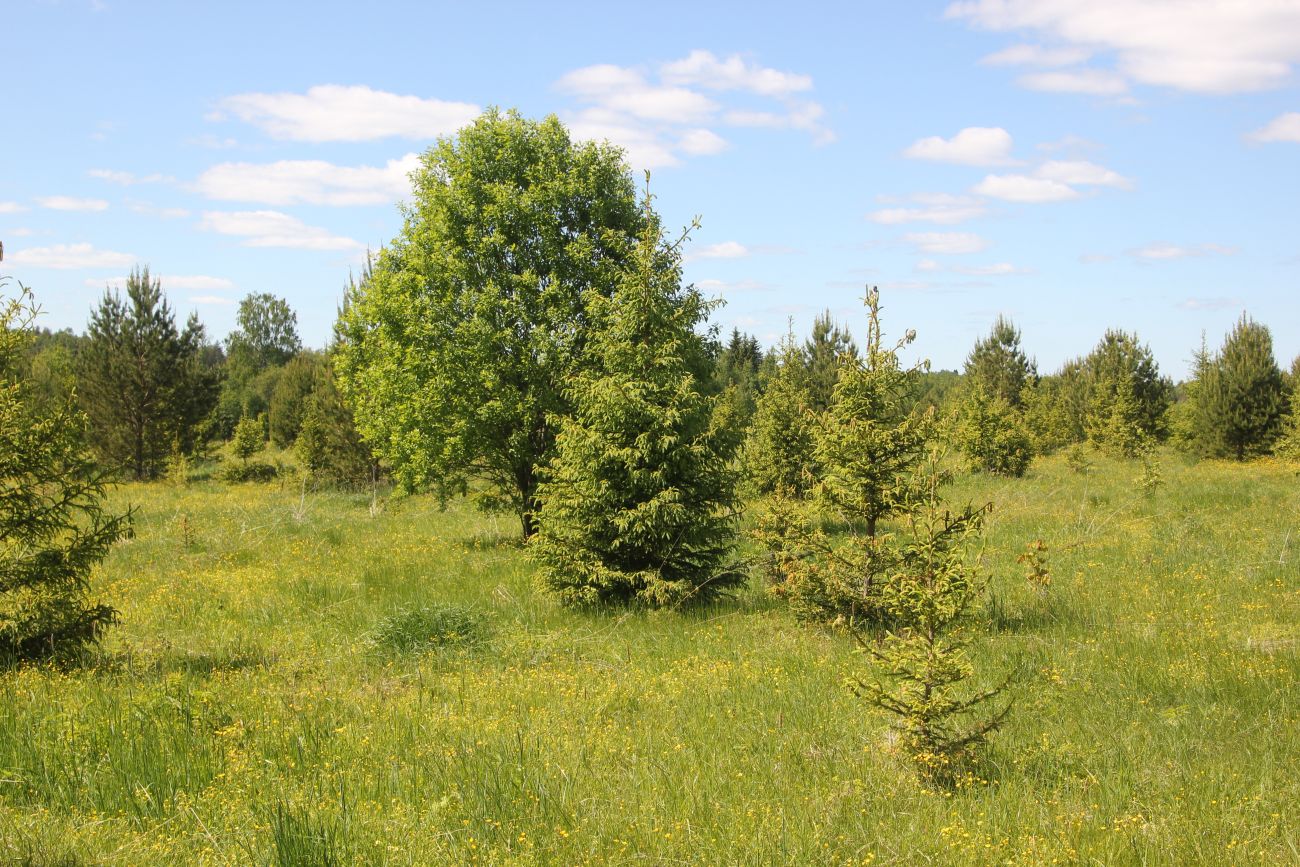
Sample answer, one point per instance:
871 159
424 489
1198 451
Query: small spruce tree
250 438
998 365
638 504
1115 424
53 525
779 450
992 434
825 352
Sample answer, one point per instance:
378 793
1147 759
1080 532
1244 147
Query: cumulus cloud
70 257
71 203
939 208
1192 45
1024 189
1284 127
1037 55
312 182
946 243
972 146
1081 173
274 229
150 210
660 115
332 113
1095 82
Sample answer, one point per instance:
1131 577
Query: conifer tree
869 441
825 352
638 504
1240 396
142 383
992 434
250 438
779 450
53 526
928 583
1115 424
1120 361
998 365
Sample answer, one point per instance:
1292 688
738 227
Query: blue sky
1074 164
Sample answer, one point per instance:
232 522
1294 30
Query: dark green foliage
301 377
928 581
779 450
251 471
937 390
825 352
992 434
638 504
1056 408
1121 363
869 441
428 627
736 373
53 527
143 384
998 366
457 351
1238 400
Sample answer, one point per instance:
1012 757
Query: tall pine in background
998 365
825 352
638 504
1239 395
143 384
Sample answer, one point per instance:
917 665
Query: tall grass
241 714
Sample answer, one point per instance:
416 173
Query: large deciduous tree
144 384
457 349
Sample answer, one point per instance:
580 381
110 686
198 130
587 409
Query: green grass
245 711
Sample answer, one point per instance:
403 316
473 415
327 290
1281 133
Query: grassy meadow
258 706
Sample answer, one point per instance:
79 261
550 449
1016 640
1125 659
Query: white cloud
71 256
1194 45
703 69
939 208
946 243
1036 55
728 286
1168 252
332 112
973 146
660 115
1095 82
721 250
1022 188
11 208
1083 173
1284 127
71 203
127 179
701 142
274 229
194 282
313 182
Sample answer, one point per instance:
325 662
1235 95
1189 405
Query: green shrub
992 435
254 471
428 627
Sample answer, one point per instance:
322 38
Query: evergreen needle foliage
929 585
53 527
1239 398
639 503
779 449
992 434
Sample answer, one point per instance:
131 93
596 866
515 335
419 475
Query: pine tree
736 374
825 352
927 587
998 365
1240 395
142 383
779 451
868 441
638 504
53 527
992 434
1115 424
1120 361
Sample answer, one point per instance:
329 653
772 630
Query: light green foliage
54 528
1056 408
457 351
1238 401
869 441
311 448
779 450
991 434
250 437
826 350
265 339
1116 422
1151 477
142 383
298 380
998 366
1076 458
638 503
929 582
1122 368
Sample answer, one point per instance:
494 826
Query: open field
242 714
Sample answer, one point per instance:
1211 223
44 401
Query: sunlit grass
242 714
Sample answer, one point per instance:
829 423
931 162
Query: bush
992 435
254 471
428 627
